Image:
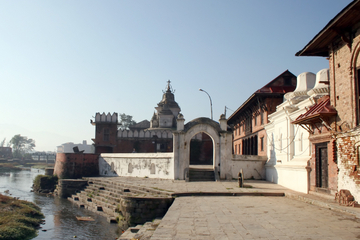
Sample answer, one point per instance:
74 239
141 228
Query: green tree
21 145
126 121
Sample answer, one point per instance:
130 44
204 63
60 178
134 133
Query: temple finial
168 86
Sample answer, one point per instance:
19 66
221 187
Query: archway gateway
221 139
201 149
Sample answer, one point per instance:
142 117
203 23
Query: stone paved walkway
248 217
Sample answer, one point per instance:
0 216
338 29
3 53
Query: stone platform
222 210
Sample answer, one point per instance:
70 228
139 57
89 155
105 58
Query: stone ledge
321 203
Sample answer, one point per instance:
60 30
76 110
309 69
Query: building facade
290 150
339 42
248 121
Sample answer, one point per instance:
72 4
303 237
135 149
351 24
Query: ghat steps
120 200
201 175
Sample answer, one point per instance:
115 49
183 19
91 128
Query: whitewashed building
69 147
289 148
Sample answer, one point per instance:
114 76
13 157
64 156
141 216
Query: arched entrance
220 139
201 149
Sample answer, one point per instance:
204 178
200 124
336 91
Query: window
255 120
262 144
261 117
235 149
239 130
248 125
106 134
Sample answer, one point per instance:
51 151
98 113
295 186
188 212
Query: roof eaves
326 28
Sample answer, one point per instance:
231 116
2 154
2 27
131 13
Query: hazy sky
63 61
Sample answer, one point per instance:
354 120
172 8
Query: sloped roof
271 89
322 109
337 26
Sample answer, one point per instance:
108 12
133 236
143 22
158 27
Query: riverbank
15 166
5 167
19 219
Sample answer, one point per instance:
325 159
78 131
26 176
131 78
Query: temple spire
169 88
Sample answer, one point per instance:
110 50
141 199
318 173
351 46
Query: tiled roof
319 110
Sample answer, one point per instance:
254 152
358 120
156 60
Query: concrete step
201 175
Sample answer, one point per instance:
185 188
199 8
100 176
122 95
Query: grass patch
18 218
5 167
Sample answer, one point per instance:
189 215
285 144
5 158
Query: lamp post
210 102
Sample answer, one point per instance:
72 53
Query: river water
60 214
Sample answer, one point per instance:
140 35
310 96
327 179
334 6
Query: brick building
249 136
145 137
339 42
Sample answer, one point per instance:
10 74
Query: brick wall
142 145
76 165
343 62
99 134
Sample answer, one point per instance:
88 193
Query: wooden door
321 165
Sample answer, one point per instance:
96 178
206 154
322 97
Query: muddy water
60 214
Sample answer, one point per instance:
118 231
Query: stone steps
143 232
126 187
197 175
117 200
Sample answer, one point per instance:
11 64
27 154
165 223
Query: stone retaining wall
68 187
139 210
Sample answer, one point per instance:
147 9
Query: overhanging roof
338 26
317 113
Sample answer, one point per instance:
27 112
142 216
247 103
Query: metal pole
210 102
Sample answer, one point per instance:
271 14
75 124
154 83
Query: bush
18 218
44 182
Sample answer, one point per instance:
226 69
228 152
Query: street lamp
210 102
